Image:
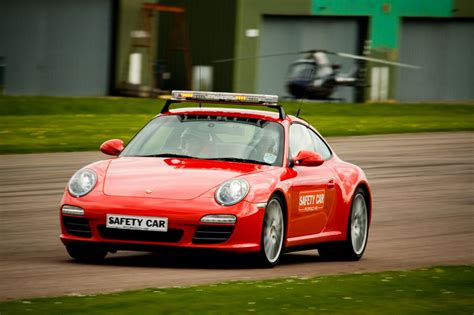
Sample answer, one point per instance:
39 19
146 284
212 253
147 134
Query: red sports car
219 178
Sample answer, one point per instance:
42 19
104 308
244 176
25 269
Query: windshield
302 71
210 137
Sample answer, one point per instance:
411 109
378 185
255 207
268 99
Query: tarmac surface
423 190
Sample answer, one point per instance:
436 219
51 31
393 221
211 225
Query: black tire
84 252
273 233
349 250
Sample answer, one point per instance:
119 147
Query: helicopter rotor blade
257 57
312 51
345 55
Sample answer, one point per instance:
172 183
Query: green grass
59 133
438 290
54 124
50 105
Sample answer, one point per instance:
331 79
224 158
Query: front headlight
82 182
232 191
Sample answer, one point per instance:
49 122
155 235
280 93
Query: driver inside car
266 150
196 143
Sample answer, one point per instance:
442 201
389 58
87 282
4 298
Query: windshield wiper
233 159
169 155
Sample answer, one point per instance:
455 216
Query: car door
312 191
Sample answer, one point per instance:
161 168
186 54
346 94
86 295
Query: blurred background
88 52
147 48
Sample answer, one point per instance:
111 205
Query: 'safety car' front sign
127 222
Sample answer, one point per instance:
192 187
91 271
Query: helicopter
315 77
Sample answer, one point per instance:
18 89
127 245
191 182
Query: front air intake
77 226
212 234
171 236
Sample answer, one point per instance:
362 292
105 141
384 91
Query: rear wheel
85 252
357 231
273 232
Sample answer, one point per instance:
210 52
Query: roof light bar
225 98
263 99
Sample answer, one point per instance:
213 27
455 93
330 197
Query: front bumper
185 230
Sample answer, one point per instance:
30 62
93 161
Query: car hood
170 178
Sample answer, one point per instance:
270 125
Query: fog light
73 210
219 218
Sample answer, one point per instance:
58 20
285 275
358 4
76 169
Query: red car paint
182 190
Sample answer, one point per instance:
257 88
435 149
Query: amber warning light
225 97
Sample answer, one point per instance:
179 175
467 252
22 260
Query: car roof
298 120
252 113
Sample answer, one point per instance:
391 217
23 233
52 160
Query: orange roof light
263 99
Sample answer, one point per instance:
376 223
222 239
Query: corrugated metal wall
445 51
289 34
56 47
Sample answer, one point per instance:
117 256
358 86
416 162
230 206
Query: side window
300 139
319 146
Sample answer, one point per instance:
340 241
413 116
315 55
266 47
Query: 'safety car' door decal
311 200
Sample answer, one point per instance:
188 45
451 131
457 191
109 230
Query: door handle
331 182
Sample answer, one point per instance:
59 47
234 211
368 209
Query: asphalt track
423 187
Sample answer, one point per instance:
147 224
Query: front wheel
85 252
273 232
357 232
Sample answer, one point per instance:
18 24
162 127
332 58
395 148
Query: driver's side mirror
112 147
308 158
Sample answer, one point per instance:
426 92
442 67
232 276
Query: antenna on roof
310 74
299 109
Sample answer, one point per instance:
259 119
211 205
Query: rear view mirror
112 147
308 158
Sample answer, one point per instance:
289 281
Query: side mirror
308 158
112 147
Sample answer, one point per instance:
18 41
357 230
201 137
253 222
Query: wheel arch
368 197
282 196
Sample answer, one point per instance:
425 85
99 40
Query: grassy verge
441 290
55 124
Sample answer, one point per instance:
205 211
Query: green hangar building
101 47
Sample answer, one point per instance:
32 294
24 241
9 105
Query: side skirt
311 241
